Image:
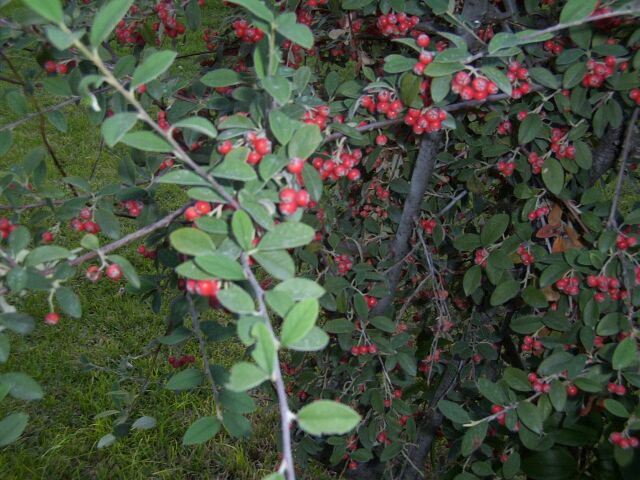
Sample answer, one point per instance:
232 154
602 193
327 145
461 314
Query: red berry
296 165
202 207
52 318
302 198
423 40
191 214
114 272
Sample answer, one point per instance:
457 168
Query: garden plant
419 219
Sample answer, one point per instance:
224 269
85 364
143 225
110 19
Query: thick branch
605 153
626 147
425 163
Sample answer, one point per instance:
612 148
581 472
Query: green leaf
436 69
108 223
106 20
529 129
49 9
117 126
220 266
236 299
287 25
554 363
245 376
282 127
313 341
558 395
62 40
397 63
191 241
5 350
278 87
440 87
187 379
264 350
326 417
494 229
127 269
466 242
553 175
552 464
305 141
383 323
625 354
45 254
69 302
529 414
243 230
576 10
491 391
235 169
201 430
287 235
573 75
146 141
453 412
277 263
198 124
221 77
300 288
257 8
299 321
152 67
144 423
11 427
504 292
473 438
23 387
616 408
544 77
517 379
499 78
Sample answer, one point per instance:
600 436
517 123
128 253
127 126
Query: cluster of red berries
6 227
481 257
486 34
52 318
606 285
317 116
341 166
424 60
428 225
61 68
598 72
198 209
618 438
506 168
134 207
538 212
129 33
425 364
635 95
537 385
150 254
505 128
429 120
162 120
182 361
518 76
569 285
84 222
624 242
208 36
291 200
385 104
477 88
530 344
345 264
526 256
501 417
167 14
260 146
396 24
616 388
247 33
560 146
369 210
204 288
166 163
536 162
383 438
304 16
357 350
294 57
555 47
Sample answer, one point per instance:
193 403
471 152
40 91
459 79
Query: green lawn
64 429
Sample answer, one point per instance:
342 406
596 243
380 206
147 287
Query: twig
453 201
53 108
626 146
202 345
285 413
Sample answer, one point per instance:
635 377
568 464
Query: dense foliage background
406 232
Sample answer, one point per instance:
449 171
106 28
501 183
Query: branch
283 403
626 147
605 153
454 107
425 164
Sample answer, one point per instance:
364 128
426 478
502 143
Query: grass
65 427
